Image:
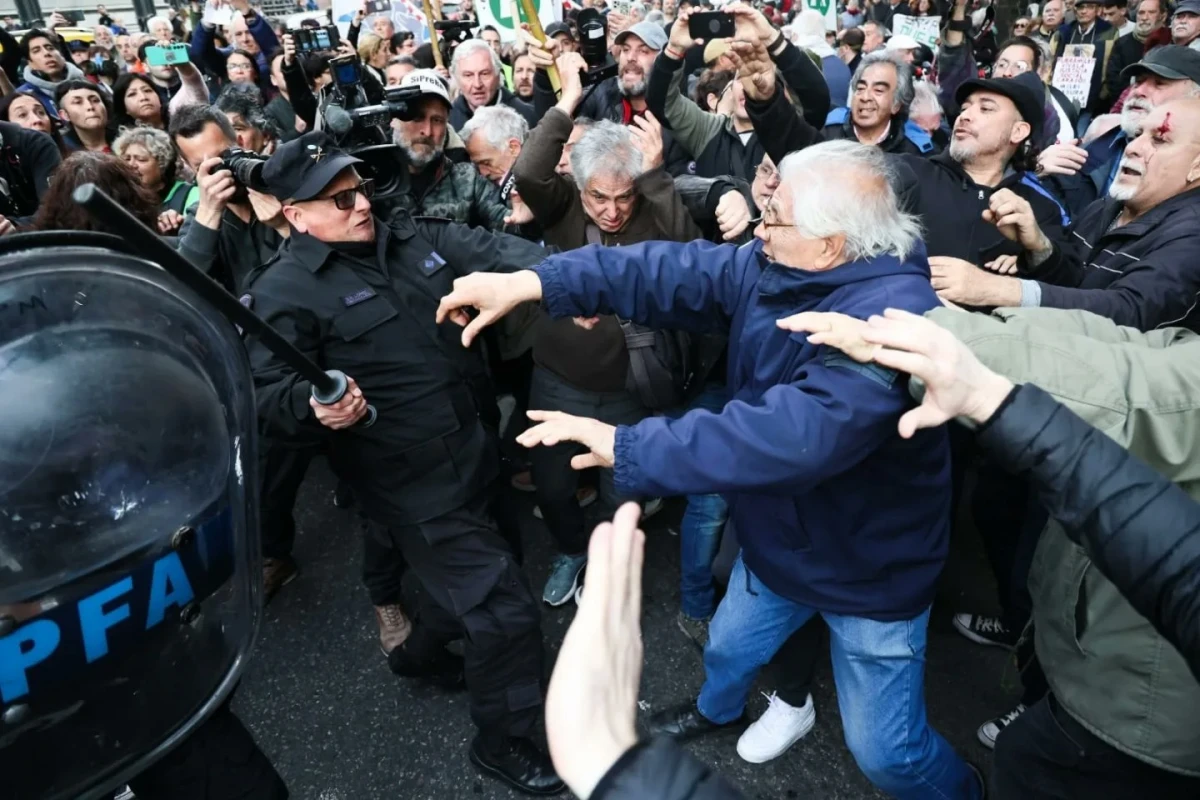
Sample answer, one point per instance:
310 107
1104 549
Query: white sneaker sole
976 638
984 739
569 596
762 758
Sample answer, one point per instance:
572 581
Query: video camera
451 33
593 46
397 104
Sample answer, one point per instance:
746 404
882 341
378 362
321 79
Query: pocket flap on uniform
362 317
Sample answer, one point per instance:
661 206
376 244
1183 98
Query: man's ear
295 218
1193 172
1021 130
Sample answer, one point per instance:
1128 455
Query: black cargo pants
474 589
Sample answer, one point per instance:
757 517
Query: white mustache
1137 169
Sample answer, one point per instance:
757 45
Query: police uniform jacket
370 313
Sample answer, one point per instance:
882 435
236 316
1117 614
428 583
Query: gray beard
420 160
637 90
961 152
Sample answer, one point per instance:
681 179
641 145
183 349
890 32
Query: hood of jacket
44 84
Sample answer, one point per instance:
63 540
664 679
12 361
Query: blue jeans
879 671
700 529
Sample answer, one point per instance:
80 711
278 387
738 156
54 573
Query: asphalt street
340 726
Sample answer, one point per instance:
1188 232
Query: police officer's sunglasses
344 200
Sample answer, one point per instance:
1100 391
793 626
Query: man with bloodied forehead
1134 255
359 295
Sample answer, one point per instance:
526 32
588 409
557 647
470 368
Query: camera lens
714 25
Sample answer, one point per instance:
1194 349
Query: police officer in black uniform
359 296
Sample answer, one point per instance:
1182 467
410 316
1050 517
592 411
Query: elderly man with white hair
478 71
493 138
837 514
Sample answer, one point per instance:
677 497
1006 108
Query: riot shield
129 555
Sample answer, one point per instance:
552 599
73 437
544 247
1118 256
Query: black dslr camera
593 46
246 166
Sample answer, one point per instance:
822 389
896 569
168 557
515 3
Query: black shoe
520 764
438 667
343 496
686 722
277 573
988 631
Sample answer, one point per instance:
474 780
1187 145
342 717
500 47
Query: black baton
328 387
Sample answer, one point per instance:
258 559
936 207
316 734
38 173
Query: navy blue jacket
833 509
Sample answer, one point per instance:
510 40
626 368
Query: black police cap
303 167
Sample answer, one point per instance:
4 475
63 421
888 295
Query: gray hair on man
925 100
847 188
904 75
605 148
154 21
497 124
469 48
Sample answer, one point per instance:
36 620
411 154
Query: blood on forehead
1165 127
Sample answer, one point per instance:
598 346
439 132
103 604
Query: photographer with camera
727 143
233 229
438 186
620 98
251 33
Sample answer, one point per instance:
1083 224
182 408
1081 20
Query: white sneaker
780 727
989 730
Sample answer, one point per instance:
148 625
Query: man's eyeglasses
769 223
766 173
345 199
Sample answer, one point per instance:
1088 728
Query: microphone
338 121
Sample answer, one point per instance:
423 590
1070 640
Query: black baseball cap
1026 91
555 28
303 167
1170 61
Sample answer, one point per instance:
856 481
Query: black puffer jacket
661 769
1140 530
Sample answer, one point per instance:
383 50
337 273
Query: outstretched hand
557 427
957 384
492 294
591 705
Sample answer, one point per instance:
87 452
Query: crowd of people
705 269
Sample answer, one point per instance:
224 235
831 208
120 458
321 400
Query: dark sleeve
280 393
661 769
1112 79
780 129
701 196
548 194
543 95
264 35
1141 530
1160 289
204 52
807 81
352 35
304 102
10 59
43 158
468 249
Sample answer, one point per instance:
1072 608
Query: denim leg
879 671
701 526
751 623
699 538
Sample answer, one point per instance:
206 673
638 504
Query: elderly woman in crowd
152 156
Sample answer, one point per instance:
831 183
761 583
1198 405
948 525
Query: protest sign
924 29
827 9
1073 72
499 14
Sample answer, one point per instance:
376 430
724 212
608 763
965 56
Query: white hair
497 124
809 24
605 148
150 23
925 100
469 48
847 188
657 17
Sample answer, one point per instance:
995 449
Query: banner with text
827 9
1073 72
925 30
500 14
